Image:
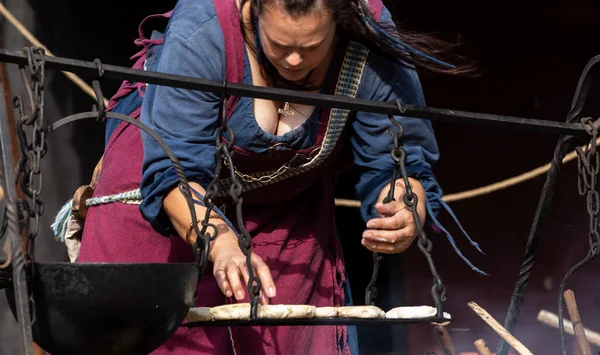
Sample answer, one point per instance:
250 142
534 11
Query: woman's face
296 45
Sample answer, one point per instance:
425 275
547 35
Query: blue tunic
188 119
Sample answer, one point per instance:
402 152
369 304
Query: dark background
530 55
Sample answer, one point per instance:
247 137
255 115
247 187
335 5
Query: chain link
33 149
411 201
588 166
262 178
297 160
29 173
244 238
224 155
204 236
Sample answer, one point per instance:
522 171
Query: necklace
289 110
285 111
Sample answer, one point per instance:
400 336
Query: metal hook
402 110
583 87
99 67
223 103
98 90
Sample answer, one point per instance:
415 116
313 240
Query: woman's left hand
395 230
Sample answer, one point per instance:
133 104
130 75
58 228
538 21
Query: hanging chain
244 240
411 201
588 165
29 175
212 191
224 155
28 170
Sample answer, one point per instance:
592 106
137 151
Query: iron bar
327 101
312 322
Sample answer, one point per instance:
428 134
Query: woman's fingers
393 232
397 221
221 278
387 248
390 236
264 274
233 276
390 208
388 241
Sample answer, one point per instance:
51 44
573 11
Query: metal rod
18 261
263 322
301 97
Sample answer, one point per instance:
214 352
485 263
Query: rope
31 39
133 197
459 196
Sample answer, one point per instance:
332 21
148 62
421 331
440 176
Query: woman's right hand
230 263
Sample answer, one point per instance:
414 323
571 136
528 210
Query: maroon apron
294 233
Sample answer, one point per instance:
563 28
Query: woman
301 44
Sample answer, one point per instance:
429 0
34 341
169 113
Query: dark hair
354 20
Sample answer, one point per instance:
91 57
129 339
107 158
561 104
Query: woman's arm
188 122
224 251
390 227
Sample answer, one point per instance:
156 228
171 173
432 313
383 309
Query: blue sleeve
372 144
187 120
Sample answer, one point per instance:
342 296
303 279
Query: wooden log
551 319
445 340
576 320
482 348
499 329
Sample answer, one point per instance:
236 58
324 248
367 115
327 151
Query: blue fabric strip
453 242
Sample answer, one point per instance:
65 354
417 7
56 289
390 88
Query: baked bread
236 311
360 312
327 312
198 314
241 311
285 311
413 312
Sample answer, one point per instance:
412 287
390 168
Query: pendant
286 110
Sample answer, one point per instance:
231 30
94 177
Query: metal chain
262 178
588 166
204 237
411 201
28 170
29 174
224 155
244 238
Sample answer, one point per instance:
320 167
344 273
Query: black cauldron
109 309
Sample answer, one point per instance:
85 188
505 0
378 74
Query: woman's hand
229 262
396 229
231 271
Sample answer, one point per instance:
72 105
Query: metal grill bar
327 101
311 321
